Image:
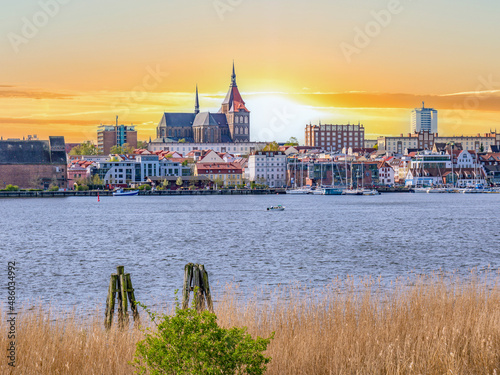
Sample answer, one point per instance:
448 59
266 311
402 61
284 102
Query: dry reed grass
438 325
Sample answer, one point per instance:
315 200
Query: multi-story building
268 168
420 141
424 119
33 163
478 143
228 174
115 135
386 174
239 148
137 170
335 137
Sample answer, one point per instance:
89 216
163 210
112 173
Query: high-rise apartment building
115 135
424 119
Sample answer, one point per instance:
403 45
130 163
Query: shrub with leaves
191 342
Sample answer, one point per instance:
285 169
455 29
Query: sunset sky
68 66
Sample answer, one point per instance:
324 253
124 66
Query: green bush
54 188
12 187
191 342
82 188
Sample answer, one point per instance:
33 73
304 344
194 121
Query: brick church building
230 124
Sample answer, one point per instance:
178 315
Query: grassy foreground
434 326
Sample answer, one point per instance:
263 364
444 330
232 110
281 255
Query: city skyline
80 65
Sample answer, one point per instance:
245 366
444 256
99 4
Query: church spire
233 78
197 102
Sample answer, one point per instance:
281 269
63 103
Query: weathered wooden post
196 278
120 284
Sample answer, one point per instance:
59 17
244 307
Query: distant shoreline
107 193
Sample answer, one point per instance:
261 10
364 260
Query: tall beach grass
420 325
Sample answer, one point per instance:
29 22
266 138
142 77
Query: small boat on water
420 190
332 191
352 192
298 191
276 208
369 192
123 193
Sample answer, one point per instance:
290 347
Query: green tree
376 146
142 144
219 182
481 149
11 187
122 150
185 163
179 181
85 148
292 142
182 140
273 146
192 343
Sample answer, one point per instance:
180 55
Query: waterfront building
335 137
424 119
231 124
386 174
268 168
115 135
136 170
79 170
227 174
33 163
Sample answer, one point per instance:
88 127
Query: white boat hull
125 193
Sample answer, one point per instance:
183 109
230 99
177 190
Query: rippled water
66 248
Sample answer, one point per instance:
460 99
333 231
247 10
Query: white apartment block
424 119
139 169
267 167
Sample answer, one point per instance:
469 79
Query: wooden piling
120 284
110 301
206 288
196 279
188 275
131 297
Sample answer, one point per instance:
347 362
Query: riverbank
104 193
426 325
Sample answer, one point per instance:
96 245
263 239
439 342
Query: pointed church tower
197 102
238 116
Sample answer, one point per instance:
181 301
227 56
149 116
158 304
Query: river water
66 248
